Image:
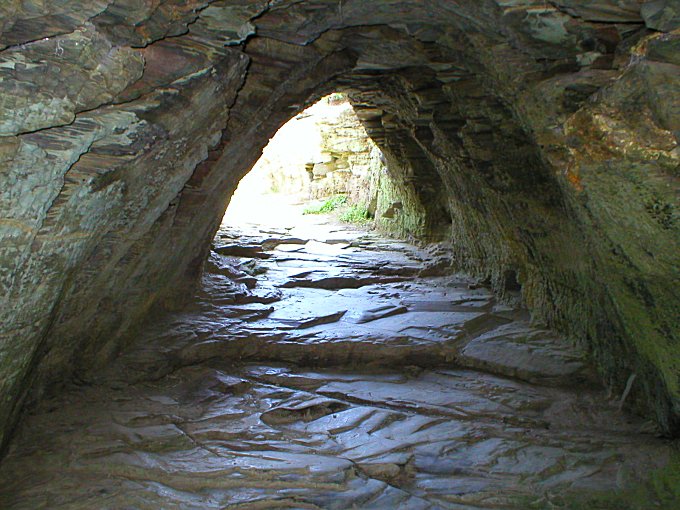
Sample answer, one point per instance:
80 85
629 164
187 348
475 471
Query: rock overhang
544 132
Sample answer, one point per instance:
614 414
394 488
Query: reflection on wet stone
331 376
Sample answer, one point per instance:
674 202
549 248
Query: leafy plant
329 205
355 214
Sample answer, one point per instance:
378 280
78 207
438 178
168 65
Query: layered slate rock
424 393
541 137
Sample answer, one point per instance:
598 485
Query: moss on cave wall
398 209
573 198
363 182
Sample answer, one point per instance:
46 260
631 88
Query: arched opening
320 161
537 141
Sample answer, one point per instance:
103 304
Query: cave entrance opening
296 249
320 164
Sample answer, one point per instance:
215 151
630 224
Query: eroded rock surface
541 138
409 391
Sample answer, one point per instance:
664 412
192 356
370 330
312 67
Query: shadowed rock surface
423 393
539 139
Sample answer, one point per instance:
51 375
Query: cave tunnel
537 140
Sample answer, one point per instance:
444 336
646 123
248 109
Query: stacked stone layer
542 136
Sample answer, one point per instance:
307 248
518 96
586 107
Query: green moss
637 257
355 214
328 206
410 219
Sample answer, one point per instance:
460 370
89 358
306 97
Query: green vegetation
345 212
328 206
355 214
337 97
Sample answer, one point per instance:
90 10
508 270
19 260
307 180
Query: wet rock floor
340 371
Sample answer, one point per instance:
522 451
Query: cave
537 141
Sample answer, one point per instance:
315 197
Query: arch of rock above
540 137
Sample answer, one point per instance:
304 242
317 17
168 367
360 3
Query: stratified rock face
542 136
321 152
351 163
347 156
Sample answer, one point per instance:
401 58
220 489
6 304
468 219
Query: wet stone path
335 370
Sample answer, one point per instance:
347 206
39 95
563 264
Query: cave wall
379 185
541 137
